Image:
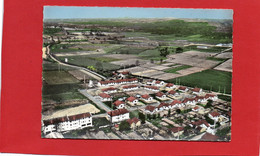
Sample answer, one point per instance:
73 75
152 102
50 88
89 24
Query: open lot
226 66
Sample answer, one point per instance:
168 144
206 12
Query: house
211 97
196 108
134 122
130 88
147 98
132 100
150 109
177 131
105 97
68 123
150 82
183 89
163 106
160 95
170 86
200 125
159 83
119 104
116 82
109 90
214 115
151 88
189 101
49 126
176 104
201 99
196 90
172 93
118 115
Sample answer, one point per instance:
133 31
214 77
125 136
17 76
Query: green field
215 80
58 77
64 96
86 61
51 31
50 66
174 70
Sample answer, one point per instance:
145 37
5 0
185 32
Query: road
91 73
97 102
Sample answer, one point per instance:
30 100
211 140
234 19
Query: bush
124 126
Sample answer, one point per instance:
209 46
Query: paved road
97 102
99 115
91 73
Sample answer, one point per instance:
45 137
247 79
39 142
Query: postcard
137 73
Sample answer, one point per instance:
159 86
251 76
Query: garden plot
78 53
193 58
226 66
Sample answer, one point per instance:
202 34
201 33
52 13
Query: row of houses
116 82
67 123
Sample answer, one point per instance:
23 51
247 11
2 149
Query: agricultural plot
58 77
226 66
97 62
176 69
214 80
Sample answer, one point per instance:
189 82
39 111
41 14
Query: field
58 77
97 62
209 79
51 66
209 49
176 69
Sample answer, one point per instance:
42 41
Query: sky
68 12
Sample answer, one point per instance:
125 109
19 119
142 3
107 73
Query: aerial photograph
116 73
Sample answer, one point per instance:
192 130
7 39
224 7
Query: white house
150 109
109 90
130 88
214 116
172 93
176 104
201 99
170 86
119 104
105 97
196 108
183 89
163 106
151 88
118 115
177 131
147 98
211 97
189 101
196 90
132 100
159 83
160 95
68 123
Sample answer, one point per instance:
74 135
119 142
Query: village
147 109
103 81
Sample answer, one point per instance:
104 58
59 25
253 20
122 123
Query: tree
178 111
141 117
179 50
169 112
164 52
151 61
209 104
124 126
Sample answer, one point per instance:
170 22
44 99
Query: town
117 82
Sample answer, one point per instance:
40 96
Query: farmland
214 80
58 77
176 69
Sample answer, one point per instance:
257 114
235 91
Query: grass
86 61
174 70
60 88
216 59
214 80
58 77
127 50
134 114
100 122
64 96
51 66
